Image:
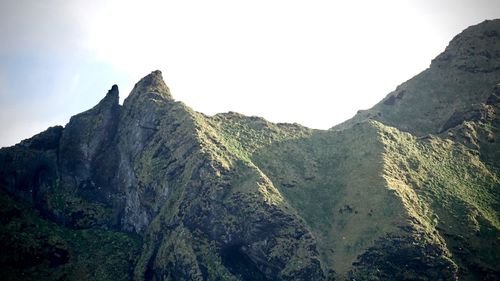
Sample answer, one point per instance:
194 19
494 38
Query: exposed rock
474 50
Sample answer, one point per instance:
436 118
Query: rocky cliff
152 190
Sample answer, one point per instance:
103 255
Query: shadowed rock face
157 191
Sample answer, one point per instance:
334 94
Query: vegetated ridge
152 190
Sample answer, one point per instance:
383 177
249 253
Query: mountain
153 190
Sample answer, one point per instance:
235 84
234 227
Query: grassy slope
357 185
442 94
452 192
218 200
318 173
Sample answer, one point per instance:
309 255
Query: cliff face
153 190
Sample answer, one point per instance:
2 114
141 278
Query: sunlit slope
382 202
452 193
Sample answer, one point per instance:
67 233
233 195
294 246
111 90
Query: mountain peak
150 84
474 49
111 100
113 93
114 88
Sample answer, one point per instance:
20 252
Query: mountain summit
152 190
150 86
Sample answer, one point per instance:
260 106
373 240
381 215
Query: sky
311 62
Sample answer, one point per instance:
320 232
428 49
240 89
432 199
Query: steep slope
381 203
452 193
336 182
457 80
408 190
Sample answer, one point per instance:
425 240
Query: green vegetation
355 186
451 193
35 249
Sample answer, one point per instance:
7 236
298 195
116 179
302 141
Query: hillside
153 190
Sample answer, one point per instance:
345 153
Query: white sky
311 62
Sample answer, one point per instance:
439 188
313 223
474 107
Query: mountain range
153 190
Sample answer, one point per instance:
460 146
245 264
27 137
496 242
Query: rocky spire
110 102
111 98
151 85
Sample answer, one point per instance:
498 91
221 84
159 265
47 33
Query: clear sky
311 62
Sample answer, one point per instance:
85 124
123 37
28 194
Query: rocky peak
474 50
113 93
110 101
151 86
